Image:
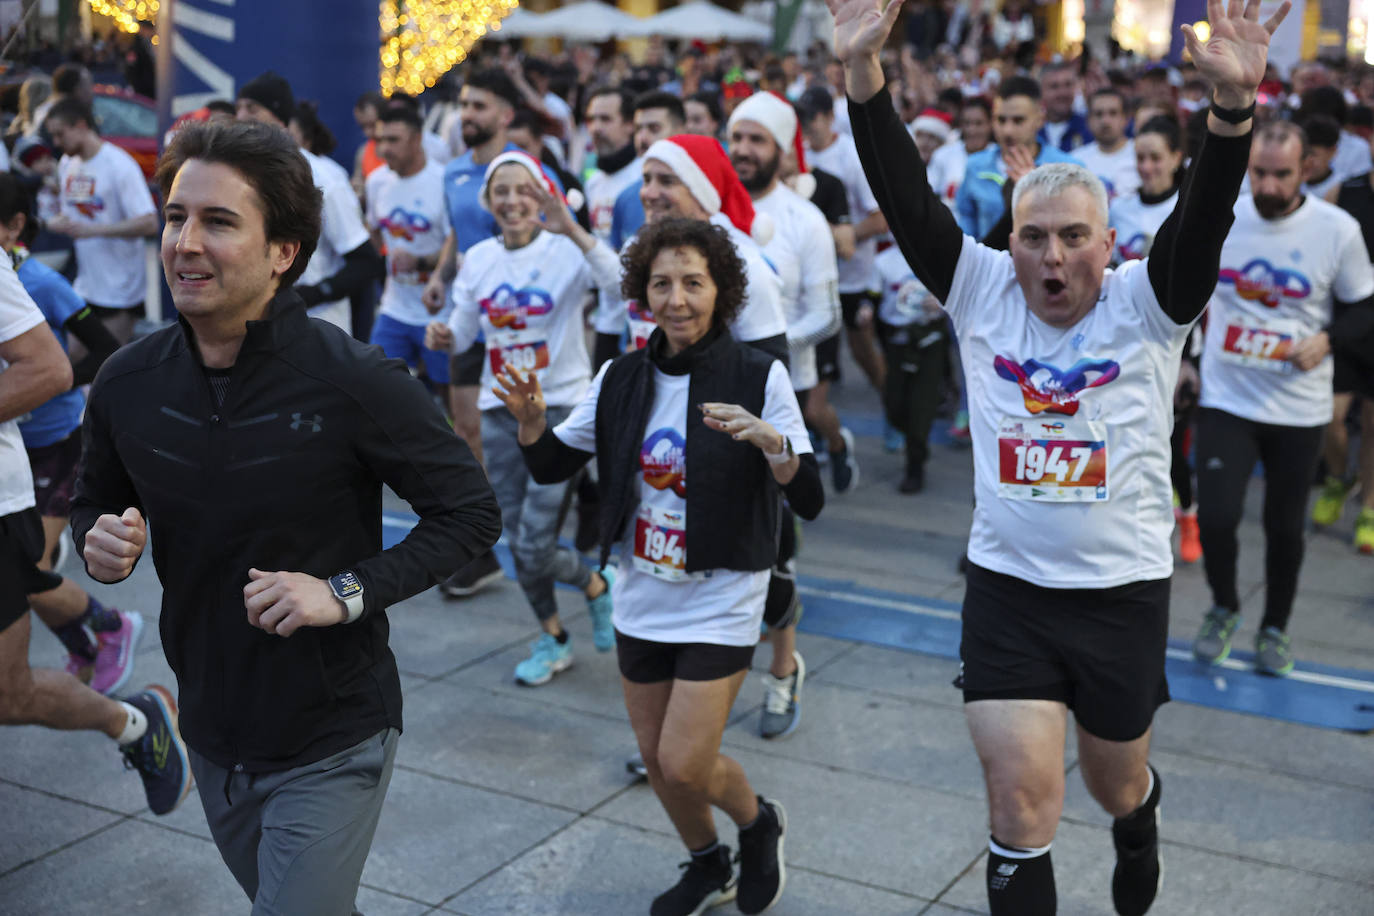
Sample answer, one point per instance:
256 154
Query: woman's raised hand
522 395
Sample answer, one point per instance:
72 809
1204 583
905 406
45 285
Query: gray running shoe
634 765
782 701
1213 643
1273 655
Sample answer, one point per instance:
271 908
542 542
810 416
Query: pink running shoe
115 661
79 668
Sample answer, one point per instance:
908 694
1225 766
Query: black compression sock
1020 881
1139 827
77 640
562 637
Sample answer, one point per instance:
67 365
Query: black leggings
1185 409
1227 448
917 357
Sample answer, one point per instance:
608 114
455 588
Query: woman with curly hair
693 405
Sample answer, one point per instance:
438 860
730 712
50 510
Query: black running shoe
762 873
160 755
707 881
1139 872
471 579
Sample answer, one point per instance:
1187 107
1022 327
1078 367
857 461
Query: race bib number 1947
1059 460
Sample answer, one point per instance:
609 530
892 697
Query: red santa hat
935 122
776 115
530 164
700 163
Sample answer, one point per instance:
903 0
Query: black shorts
110 311
466 368
850 303
1353 376
1099 651
828 359
54 475
643 661
21 546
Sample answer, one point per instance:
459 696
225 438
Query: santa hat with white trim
935 122
777 116
700 163
573 198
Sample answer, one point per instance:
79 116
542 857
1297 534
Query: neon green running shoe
1327 509
1364 531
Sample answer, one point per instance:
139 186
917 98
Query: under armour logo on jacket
313 423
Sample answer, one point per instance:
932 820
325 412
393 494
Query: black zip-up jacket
285 475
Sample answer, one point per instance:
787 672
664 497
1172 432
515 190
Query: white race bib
1052 460
1259 344
525 350
661 544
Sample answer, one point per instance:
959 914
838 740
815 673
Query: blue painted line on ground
1318 695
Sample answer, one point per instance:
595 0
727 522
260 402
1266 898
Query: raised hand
861 30
861 27
556 216
1234 55
1019 162
524 398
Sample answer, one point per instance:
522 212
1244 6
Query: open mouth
1054 287
188 277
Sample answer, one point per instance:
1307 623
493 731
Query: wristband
1233 115
783 456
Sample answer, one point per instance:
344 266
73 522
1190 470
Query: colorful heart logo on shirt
663 459
508 307
1045 387
402 224
1260 281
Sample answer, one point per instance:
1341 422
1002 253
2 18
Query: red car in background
129 121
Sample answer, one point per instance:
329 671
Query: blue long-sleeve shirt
978 205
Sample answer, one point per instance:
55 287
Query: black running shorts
851 303
643 661
466 368
828 358
21 546
1099 651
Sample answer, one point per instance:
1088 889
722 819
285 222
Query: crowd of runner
1121 288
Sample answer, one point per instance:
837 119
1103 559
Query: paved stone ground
514 801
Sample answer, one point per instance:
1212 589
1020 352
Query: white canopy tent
519 23
590 20
705 21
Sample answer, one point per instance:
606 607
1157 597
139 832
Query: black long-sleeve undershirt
360 267
97 340
1184 258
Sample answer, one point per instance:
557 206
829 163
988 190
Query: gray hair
1057 177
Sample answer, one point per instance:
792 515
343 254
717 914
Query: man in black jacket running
256 441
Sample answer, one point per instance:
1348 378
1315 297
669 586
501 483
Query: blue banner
327 49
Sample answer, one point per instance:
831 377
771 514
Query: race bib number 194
1052 460
661 544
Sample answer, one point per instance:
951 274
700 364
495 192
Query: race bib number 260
1052 460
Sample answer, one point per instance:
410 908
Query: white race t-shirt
1117 170
946 169
1070 427
1136 224
904 296
653 596
410 215
762 316
341 231
803 252
18 315
527 304
602 190
1275 287
841 159
106 189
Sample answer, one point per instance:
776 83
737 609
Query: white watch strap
354 606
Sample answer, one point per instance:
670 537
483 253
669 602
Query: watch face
346 585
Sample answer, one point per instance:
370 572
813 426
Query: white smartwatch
349 590
783 456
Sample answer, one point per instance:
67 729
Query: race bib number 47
1052 461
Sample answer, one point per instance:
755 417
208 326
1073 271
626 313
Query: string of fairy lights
423 39
126 13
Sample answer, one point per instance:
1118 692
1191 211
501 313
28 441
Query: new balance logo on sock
1215 464
1006 870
